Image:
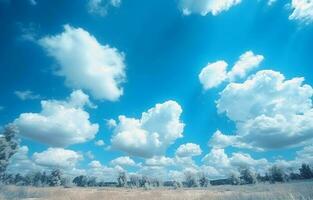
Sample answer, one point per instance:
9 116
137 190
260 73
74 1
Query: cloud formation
101 7
60 123
150 135
204 7
26 95
123 161
188 150
216 73
57 158
86 64
302 11
270 112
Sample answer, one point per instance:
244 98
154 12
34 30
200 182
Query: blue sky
156 52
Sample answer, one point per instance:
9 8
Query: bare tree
191 179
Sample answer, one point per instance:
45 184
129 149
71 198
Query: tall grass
287 191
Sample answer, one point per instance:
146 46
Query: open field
288 191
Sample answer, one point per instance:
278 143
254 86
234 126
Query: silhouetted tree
55 178
247 177
81 181
305 171
276 174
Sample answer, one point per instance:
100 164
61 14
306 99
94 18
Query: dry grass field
288 191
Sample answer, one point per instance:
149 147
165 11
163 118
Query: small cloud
90 155
101 7
27 95
99 143
111 123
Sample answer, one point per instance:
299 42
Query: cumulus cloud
101 7
85 63
223 165
123 161
302 11
216 73
213 74
150 135
159 161
204 7
60 123
246 62
21 163
270 112
188 150
57 158
103 173
99 143
26 95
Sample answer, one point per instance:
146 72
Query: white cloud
89 155
150 135
219 140
204 7
221 165
99 143
86 64
246 62
60 123
213 74
101 7
216 73
26 95
57 158
269 111
103 173
188 150
302 11
159 161
111 123
95 164
123 161
20 162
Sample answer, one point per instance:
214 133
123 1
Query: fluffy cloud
188 150
57 158
302 11
123 161
246 62
204 7
99 143
60 123
159 161
103 173
269 111
20 162
218 161
26 95
215 73
100 7
150 135
87 64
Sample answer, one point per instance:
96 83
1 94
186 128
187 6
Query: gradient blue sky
165 51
